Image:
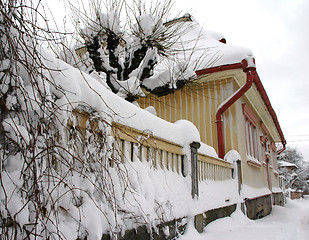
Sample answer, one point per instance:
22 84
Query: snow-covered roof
206 49
209 53
286 164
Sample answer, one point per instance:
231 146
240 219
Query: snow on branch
125 42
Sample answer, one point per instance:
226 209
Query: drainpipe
249 68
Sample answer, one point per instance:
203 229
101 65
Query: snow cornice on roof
282 163
204 48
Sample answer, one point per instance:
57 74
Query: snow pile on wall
251 192
207 150
82 89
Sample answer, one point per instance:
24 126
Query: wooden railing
210 168
133 144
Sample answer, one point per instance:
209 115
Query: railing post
194 168
239 179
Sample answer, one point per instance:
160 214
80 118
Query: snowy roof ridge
282 163
209 48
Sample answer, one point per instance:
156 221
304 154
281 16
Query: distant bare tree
298 178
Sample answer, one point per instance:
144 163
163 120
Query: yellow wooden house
229 106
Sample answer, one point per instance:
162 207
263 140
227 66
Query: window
251 139
251 132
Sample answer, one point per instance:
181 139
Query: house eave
259 86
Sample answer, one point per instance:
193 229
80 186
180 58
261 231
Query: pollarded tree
131 44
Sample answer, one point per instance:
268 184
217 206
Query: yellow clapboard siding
189 104
213 116
184 106
208 116
178 104
195 107
172 107
198 103
227 132
203 112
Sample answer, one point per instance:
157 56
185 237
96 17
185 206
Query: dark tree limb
138 57
93 49
94 54
166 89
112 43
147 71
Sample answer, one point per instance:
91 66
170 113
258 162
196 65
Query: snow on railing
158 158
211 168
133 145
137 145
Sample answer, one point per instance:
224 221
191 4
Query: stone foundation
165 231
278 199
173 229
255 208
258 207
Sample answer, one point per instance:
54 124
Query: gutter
248 66
282 149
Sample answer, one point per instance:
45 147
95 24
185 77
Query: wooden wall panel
198 103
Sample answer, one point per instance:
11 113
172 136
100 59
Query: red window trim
251 138
263 140
249 113
273 146
254 163
264 129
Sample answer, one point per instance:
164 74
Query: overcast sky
277 32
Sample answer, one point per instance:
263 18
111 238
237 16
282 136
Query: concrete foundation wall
174 228
258 207
278 199
296 195
255 208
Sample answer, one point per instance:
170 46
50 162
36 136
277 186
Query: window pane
247 137
255 143
251 141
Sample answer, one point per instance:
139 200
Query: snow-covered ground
284 223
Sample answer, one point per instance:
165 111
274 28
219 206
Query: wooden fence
133 144
143 146
210 168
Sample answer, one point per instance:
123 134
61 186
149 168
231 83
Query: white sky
277 32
